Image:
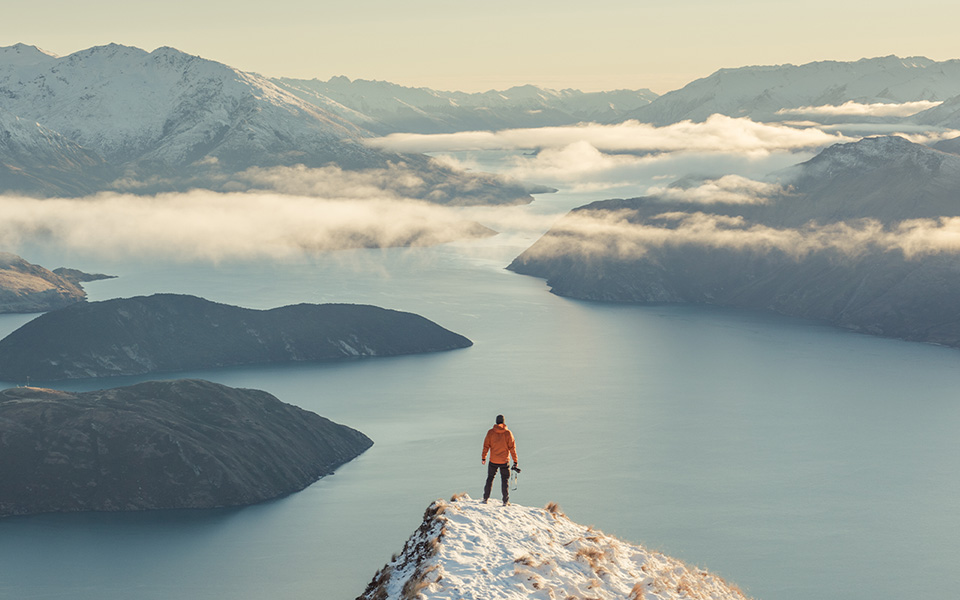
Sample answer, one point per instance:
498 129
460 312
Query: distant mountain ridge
759 92
384 107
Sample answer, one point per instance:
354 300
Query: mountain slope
384 107
160 445
760 91
27 288
863 239
35 160
467 550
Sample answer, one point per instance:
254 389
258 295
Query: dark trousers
492 469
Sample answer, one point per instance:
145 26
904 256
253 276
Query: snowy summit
468 550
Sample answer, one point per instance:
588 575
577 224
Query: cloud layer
718 133
203 225
729 189
591 234
857 109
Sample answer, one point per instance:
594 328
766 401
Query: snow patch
467 550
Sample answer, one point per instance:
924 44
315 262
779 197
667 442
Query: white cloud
611 233
857 109
729 189
204 225
719 133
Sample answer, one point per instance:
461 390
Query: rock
160 445
169 332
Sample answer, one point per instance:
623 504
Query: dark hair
499 419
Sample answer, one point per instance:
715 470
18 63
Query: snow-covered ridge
467 550
760 91
163 106
386 107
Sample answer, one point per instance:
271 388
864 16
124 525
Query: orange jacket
499 442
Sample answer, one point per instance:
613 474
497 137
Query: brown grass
637 593
527 560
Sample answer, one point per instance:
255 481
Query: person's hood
499 428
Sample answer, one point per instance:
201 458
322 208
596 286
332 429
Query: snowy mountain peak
24 55
468 550
877 152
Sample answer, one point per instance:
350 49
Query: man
500 443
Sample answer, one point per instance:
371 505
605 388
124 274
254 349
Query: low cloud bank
592 234
719 133
729 189
204 225
857 109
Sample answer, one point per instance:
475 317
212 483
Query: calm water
796 460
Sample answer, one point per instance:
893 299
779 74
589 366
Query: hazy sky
470 46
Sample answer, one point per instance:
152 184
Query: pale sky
476 46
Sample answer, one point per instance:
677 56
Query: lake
796 460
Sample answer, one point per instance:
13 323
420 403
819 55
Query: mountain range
383 107
118 117
761 92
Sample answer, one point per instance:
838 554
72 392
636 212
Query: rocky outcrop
159 445
859 237
28 288
466 549
169 332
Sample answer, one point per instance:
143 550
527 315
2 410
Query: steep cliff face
27 288
472 551
170 444
169 332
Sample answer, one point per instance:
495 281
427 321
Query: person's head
499 419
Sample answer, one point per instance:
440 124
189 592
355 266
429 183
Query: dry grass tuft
527 560
458 497
637 593
412 588
554 509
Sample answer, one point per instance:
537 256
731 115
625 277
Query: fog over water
796 460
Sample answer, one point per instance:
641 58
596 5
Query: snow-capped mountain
385 107
885 178
37 160
169 109
760 92
466 550
166 120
